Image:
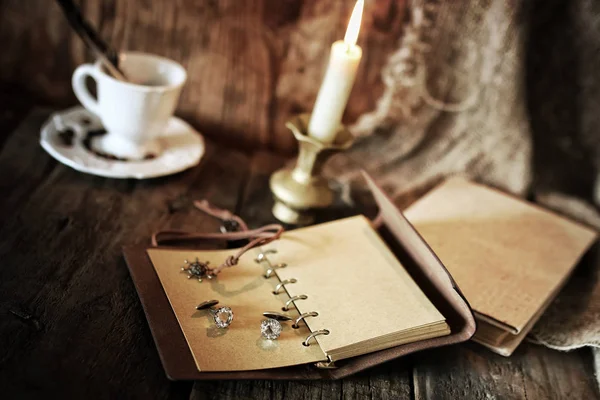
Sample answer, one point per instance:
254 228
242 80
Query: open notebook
509 257
378 299
363 295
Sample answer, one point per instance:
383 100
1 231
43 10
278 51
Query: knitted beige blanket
492 90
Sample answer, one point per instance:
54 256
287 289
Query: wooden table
71 325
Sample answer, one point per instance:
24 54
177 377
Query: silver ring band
291 301
271 271
312 335
263 255
222 316
302 316
282 284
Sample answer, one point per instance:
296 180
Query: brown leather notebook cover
406 244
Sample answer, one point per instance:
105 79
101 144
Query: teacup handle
80 89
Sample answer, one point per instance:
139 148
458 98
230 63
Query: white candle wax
335 90
337 84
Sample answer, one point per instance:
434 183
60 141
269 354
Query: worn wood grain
388 381
23 162
14 106
71 325
533 372
251 64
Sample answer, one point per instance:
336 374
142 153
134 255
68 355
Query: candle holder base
301 190
295 200
289 215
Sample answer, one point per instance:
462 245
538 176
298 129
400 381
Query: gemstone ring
221 315
271 327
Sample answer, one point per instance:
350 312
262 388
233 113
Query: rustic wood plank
532 372
71 325
549 374
14 106
23 157
388 381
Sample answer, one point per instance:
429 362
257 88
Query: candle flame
354 24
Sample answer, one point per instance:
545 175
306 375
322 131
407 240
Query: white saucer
182 147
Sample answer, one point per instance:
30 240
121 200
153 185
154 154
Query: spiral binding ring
302 317
291 301
271 270
282 284
312 335
263 255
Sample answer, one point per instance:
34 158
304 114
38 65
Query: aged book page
363 295
509 257
242 288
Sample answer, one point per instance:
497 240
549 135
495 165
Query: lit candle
337 84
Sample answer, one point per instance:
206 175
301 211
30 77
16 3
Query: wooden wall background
251 63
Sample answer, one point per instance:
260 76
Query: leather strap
258 237
222 214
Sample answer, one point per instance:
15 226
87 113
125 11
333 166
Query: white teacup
134 113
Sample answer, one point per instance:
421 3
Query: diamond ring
271 327
221 315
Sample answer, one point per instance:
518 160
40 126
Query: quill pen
108 56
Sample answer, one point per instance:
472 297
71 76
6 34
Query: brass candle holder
301 190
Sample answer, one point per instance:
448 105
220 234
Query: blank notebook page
363 295
508 256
